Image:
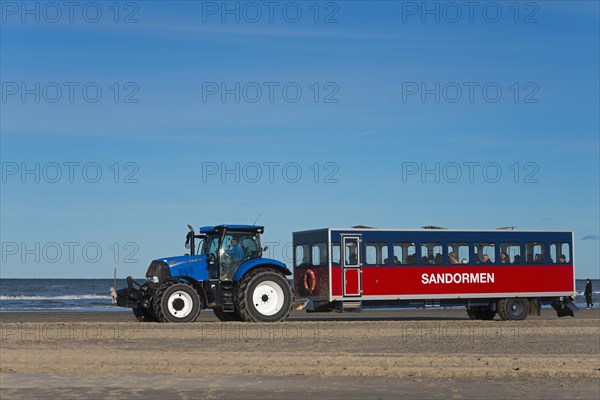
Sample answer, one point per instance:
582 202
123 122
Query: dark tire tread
505 313
144 315
242 306
157 300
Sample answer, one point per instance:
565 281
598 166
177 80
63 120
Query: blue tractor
227 273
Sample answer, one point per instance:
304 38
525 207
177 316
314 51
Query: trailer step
352 305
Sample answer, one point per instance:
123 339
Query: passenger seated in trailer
504 259
396 261
517 259
464 261
562 259
412 259
385 261
452 258
486 259
539 259
353 260
424 260
438 259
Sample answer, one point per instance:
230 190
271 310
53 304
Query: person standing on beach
588 293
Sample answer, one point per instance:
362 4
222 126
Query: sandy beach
373 354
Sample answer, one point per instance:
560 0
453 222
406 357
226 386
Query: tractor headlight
157 272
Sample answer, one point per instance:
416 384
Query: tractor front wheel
144 315
176 301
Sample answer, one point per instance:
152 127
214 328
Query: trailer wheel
176 301
264 295
513 309
144 315
227 316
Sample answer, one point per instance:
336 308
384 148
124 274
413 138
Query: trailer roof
433 230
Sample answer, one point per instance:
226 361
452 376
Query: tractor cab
226 247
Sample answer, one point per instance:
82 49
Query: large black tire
264 295
227 316
177 301
144 315
481 312
513 309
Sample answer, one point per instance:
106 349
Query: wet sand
373 354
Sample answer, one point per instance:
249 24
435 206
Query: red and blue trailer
512 273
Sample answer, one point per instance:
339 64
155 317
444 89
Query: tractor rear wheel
177 301
264 295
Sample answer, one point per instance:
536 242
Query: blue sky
363 129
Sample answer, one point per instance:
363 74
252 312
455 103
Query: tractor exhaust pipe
190 240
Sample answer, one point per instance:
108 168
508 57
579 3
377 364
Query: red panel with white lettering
425 280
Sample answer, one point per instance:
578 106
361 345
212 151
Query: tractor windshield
210 245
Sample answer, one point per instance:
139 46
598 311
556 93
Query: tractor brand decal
480 277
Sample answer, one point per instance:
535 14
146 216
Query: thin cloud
363 134
590 237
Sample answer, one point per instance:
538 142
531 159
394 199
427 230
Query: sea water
71 295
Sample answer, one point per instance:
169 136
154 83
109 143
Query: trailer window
301 255
404 253
377 253
319 254
351 253
335 253
431 253
458 253
512 253
485 253
322 259
559 253
535 253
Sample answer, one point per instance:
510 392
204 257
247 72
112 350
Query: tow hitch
127 297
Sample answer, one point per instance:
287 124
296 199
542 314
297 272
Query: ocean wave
64 297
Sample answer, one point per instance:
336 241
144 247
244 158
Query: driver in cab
236 251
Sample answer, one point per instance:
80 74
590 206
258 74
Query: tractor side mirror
212 258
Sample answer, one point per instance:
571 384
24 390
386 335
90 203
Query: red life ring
310 281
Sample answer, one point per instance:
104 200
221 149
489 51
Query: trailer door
351 266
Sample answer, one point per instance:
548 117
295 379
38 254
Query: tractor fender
196 285
260 263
